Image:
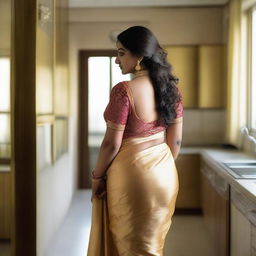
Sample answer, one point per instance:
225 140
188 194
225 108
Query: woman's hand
98 188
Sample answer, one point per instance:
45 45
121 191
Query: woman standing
135 182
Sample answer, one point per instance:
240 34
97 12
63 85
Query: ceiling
148 3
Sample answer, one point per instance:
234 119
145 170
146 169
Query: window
5 137
253 74
103 75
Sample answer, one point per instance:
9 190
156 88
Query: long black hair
141 42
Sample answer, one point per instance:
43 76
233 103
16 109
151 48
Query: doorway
98 73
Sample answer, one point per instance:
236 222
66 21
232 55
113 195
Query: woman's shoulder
120 87
120 84
120 90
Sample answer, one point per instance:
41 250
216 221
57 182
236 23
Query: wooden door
83 133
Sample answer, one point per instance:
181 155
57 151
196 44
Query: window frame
251 126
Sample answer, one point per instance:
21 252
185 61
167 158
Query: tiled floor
187 236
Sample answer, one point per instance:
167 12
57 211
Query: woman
135 182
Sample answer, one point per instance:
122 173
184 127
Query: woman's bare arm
108 150
174 136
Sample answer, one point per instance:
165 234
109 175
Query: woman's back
132 108
144 99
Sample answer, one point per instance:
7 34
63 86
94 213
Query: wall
56 183
5 27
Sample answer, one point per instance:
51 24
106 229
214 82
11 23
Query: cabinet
188 167
211 76
184 60
243 225
215 207
201 70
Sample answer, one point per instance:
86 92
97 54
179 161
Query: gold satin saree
135 215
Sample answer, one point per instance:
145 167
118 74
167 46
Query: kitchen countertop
214 156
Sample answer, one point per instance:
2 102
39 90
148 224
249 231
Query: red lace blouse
120 114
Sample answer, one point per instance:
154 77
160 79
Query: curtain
236 75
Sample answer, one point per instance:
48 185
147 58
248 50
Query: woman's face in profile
125 59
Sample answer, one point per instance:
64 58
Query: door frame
23 128
83 146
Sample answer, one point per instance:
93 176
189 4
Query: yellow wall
52 62
172 26
61 76
56 183
5 27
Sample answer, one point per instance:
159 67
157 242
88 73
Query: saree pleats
135 216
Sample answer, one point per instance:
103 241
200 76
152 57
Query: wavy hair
141 42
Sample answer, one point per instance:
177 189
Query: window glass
5 143
99 89
253 68
117 75
5 74
4 84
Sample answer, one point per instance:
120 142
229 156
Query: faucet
244 130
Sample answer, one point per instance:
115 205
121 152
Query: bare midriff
147 144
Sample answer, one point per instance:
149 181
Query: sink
245 169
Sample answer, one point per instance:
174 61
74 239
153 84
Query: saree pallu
135 215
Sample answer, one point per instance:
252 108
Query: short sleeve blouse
119 111
118 108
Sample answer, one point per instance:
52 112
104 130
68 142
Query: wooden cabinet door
211 76
208 204
201 70
221 224
215 207
253 240
188 167
243 225
185 67
240 233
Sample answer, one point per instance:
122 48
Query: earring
138 67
